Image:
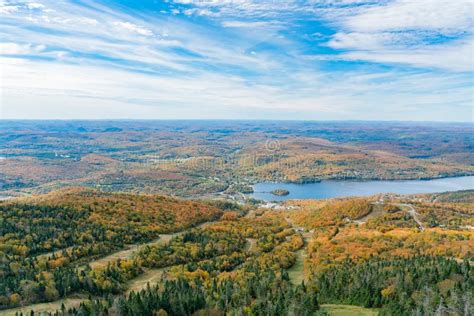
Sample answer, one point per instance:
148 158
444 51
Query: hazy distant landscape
199 158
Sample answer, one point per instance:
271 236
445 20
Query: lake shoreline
354 179
349 188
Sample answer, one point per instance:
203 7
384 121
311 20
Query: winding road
414 214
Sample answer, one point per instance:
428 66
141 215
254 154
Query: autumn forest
154 218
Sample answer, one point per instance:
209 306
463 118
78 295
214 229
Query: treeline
420 285
29 230
148 212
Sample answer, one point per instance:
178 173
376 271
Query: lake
340 188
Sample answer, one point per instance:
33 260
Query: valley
211 159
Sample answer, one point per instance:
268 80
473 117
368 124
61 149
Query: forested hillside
44 240
400 255
405 255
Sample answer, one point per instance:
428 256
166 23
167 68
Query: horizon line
225 119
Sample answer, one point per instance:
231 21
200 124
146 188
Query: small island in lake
280 192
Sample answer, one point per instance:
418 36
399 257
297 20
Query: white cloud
106 32
361 41
134 28
20 49
178 66
408 32
245 24
197 11
437 15
249 8
355 95
32 80
8 8
454 57
34 5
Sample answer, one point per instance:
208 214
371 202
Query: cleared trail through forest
296 271
348 310
376 210
414 214
251 243
132 249
40 308
151 276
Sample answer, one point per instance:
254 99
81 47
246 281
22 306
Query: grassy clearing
348 310
128 253
103 262
377 210
150 276
44 307
251 243
296 272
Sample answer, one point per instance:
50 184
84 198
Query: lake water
333 188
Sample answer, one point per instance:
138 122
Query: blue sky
245 59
